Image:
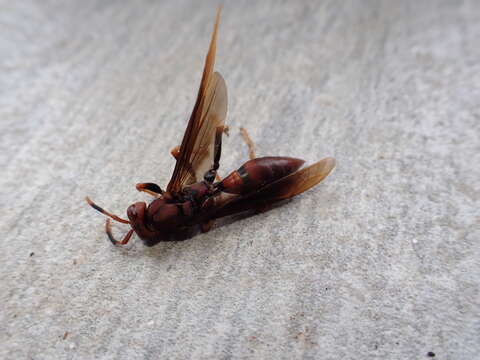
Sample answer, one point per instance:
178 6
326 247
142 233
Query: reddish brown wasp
195 194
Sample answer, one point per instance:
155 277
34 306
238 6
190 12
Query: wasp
195 195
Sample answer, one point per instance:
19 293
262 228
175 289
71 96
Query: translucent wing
197 151
282 189
211 129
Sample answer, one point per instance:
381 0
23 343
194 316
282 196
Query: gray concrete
381 261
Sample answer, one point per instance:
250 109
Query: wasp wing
282 189
197 150
207 147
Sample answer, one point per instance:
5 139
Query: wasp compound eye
132 212
136 211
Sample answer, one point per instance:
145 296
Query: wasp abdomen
256 173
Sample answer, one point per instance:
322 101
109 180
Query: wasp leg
150 188
207 226
175 152
124 241
249 142
211 174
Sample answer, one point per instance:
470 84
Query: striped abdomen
257 173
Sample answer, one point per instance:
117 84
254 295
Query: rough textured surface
380 261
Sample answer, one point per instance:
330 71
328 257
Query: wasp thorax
164 215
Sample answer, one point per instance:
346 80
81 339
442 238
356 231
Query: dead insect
193 196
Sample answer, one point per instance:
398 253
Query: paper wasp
195 195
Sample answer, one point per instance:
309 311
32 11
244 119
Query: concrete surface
381 261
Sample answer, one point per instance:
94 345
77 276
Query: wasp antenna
124 241
98 208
